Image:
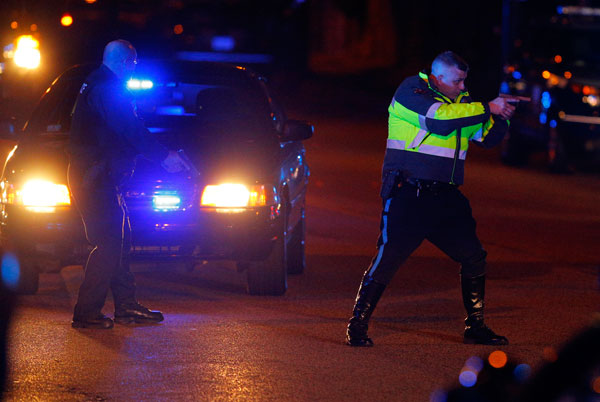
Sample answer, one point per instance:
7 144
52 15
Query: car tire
295 248
269 277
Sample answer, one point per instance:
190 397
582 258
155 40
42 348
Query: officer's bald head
120 57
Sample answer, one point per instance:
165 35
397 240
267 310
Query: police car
245 203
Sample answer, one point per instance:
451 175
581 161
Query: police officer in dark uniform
106 138
6 306
432 119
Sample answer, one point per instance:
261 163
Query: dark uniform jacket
429 133
106 134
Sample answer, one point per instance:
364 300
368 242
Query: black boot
131 313
99 321
366 300
476 332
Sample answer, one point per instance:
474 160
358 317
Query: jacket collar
424 75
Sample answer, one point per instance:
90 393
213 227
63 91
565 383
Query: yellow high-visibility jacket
429 133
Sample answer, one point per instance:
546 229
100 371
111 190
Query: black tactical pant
104 214
439 213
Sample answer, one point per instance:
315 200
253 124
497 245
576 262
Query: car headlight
37 195
236 196
27 54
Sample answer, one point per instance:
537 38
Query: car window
178 112
183 104
278 116
53 113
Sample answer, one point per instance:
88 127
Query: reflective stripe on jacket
429 133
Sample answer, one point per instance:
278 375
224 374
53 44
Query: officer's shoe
135 313
97 322
482 335
357 334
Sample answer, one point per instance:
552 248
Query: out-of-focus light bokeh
27 53
10 270
66 20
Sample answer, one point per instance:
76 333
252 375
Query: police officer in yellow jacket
432 119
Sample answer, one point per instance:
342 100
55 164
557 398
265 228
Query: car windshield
174 110
181 103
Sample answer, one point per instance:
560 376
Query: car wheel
295 248
269 277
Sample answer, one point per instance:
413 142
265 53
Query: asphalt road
218 343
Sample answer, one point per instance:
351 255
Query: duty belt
428 185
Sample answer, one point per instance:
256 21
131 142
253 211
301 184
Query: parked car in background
556 62
247 204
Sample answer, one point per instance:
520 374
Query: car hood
246 161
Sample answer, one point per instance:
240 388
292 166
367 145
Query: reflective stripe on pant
443 217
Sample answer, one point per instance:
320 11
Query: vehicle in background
555 60
247 203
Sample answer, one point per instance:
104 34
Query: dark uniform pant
107 228
439 213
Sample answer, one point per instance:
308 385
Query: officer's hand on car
173 163
503 107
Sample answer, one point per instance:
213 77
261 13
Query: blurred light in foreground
14 25
516 75
550 354
33 27
543 118
27 54
568 75
66 20
438 396
596 385
558 58
90 1
178 29
222 43
497 359
522 372
474 363
10 270
467 378
552 123
546 74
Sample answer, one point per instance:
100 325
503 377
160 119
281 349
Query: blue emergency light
166 201
137 84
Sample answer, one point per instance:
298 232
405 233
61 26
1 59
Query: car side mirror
8 129
296 130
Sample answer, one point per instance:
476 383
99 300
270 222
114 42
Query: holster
389 180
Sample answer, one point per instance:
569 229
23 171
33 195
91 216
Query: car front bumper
246 234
